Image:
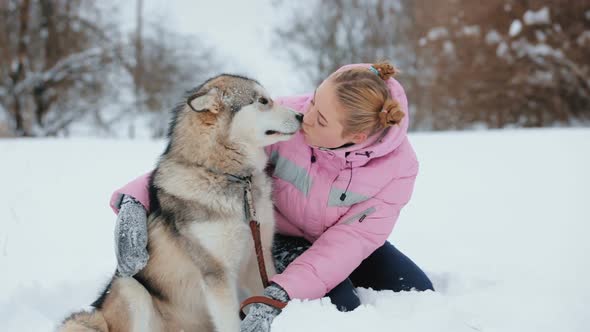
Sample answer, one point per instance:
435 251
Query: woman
338 188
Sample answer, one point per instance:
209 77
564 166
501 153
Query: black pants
385 269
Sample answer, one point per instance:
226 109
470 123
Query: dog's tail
84 321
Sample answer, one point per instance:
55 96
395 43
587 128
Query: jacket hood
383 142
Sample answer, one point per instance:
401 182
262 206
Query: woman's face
322 122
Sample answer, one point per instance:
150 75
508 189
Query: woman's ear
358 138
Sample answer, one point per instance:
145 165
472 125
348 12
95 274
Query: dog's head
244 111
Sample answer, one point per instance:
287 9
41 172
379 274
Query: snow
493 37
537 17
515 28
67 66
437 33
471 30
3 112
448 47
524 48
539 77
498 220
502 49
583 38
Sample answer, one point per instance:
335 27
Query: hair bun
386 70
391 114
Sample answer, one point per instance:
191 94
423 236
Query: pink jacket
308 188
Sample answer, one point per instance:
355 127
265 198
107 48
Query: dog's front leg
222 300
130 307
267 232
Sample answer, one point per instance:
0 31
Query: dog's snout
299 117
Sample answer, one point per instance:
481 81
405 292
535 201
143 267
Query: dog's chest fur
209 211
228 238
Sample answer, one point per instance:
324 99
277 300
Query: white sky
242 30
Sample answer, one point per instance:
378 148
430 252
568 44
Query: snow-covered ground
500 221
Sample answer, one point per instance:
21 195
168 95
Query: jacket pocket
359 217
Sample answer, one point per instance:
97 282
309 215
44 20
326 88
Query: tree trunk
138 70
18 70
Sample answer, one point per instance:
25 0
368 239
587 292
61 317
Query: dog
200 245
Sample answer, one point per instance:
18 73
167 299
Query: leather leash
255 230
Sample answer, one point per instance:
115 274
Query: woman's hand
131 237
260 316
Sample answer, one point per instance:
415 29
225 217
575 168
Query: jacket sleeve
342 247
138 189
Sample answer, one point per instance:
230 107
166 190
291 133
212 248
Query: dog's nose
299 117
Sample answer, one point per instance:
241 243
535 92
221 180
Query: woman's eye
263 100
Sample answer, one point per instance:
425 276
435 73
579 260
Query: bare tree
507 62
464 63
63 63
171 65
53 58
139 67
16 68
346 31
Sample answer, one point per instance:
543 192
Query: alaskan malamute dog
200 245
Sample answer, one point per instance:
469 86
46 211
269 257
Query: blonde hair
366 98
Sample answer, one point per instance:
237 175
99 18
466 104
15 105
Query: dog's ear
204 101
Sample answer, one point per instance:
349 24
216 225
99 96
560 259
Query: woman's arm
137 188
343 247
131 204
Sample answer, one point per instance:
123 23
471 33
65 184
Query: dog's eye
263 100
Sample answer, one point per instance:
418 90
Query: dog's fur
200 246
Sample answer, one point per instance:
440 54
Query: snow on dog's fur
200 246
